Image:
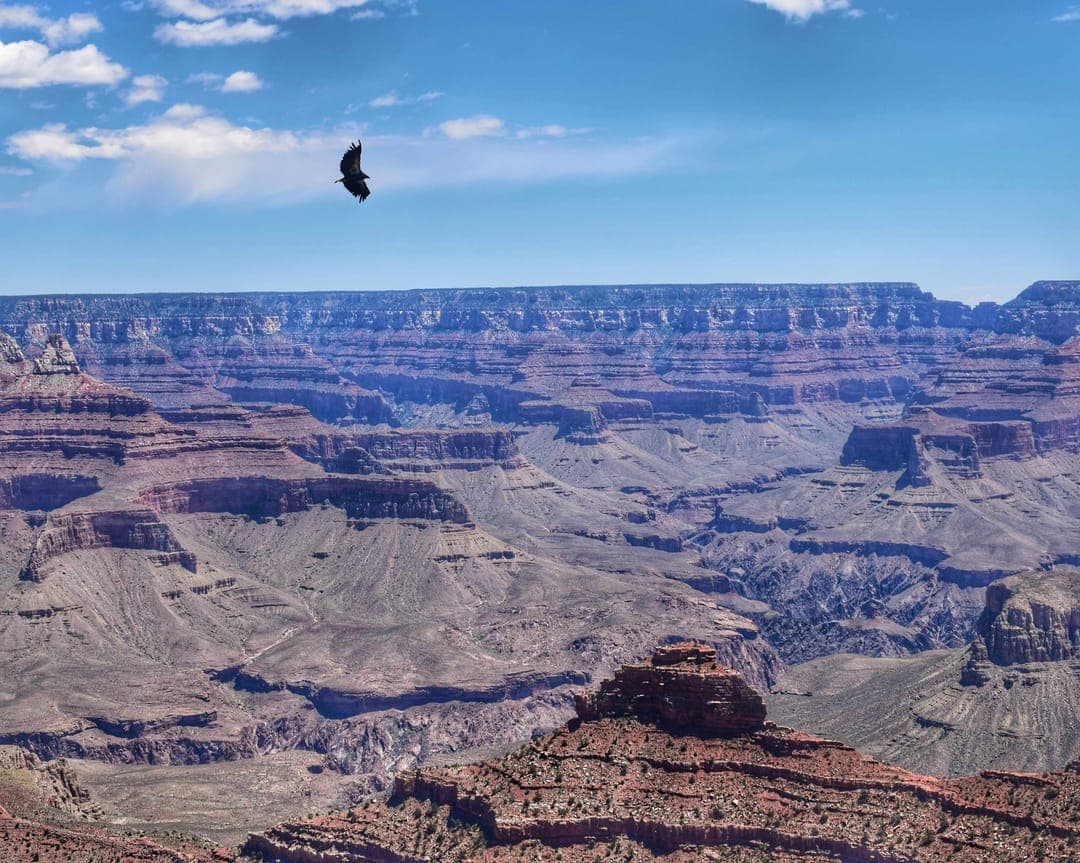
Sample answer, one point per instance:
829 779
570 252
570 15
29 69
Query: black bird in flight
353 177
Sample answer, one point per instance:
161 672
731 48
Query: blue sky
191 144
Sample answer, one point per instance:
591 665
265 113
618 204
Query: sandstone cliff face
262 497
680 687
127 529
1048 310
53 784
1032 618
612 785
687 350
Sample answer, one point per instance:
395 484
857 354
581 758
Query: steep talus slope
638 776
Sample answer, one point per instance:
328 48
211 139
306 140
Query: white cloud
193 9
56 31
31 64
188 155
481 126
14 172
146 88
199 10
367 15
393 99
242 82
72 30
1069 15
215 32
804 10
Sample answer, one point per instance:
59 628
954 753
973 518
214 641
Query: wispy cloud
487 126
5 171
394 99
24 65
57 32
146 88
804 10
550 131
210 80
1069 15
188 155
207 10
214 32
480 126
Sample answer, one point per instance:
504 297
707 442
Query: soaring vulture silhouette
354 177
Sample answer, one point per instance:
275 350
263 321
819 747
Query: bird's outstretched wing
356 185
350 162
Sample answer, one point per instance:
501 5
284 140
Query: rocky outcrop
413 451
54 783
1033 617
266 497
613 786
1047 310
56 358
134 529
683 687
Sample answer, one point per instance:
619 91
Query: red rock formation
260 497
690 350
1032 618
681 687
137 529
613 784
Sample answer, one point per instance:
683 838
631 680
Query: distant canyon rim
317 539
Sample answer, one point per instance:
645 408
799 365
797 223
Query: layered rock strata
1032 618
618 785
680 687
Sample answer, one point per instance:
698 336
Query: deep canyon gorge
319 541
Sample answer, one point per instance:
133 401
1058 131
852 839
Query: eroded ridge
637 777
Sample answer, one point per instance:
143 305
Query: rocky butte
673 759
